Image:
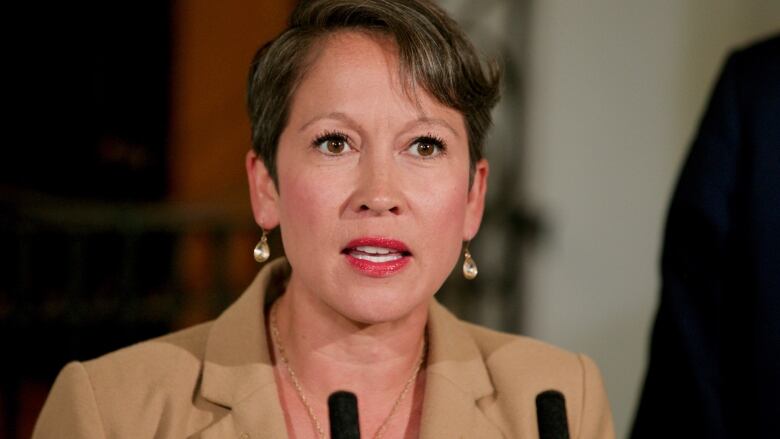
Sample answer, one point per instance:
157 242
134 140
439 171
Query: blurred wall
615 90
213 46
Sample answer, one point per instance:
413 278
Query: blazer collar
237 368
457 381
238 372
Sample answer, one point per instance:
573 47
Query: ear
475 205
262 192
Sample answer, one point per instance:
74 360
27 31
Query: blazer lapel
237 368
450 413
252 418
457 382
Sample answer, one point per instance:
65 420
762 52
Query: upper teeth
374 250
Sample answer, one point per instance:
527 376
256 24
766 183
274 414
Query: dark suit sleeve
70 410
715 338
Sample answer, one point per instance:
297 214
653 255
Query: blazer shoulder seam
84 370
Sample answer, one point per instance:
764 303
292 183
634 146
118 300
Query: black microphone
551 415
343 412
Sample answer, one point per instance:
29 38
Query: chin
380 307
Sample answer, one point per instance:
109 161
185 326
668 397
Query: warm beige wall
214 42
615 91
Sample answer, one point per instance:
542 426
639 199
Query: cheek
447 207
306 202
444 196
443 215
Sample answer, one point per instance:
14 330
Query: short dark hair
433 53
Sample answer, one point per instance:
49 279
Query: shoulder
764 52
157 360
508 356
521 368
497 345
755 71
136 389
153 373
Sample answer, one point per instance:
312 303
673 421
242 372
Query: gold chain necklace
299 389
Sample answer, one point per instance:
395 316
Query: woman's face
373 198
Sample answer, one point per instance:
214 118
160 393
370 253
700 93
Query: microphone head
551 415
343 413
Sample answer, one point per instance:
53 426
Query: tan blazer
215 380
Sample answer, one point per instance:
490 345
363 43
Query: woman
368 121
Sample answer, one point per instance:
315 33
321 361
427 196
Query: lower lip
378 269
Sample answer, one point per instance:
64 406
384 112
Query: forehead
358 68
347 56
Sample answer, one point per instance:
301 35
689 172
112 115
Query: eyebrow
424 120
337 115
343 117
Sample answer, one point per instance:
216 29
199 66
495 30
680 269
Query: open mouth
377 256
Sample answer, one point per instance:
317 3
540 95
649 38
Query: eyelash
338 136
434 140
331 136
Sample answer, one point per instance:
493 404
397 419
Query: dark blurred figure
714 367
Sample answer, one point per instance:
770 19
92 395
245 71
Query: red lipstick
377 257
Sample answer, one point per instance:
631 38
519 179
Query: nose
378 189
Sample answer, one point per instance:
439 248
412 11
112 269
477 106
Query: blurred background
124 211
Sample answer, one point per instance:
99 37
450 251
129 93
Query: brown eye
425 149
335 146
332 144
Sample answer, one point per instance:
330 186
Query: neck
380 363
330 352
